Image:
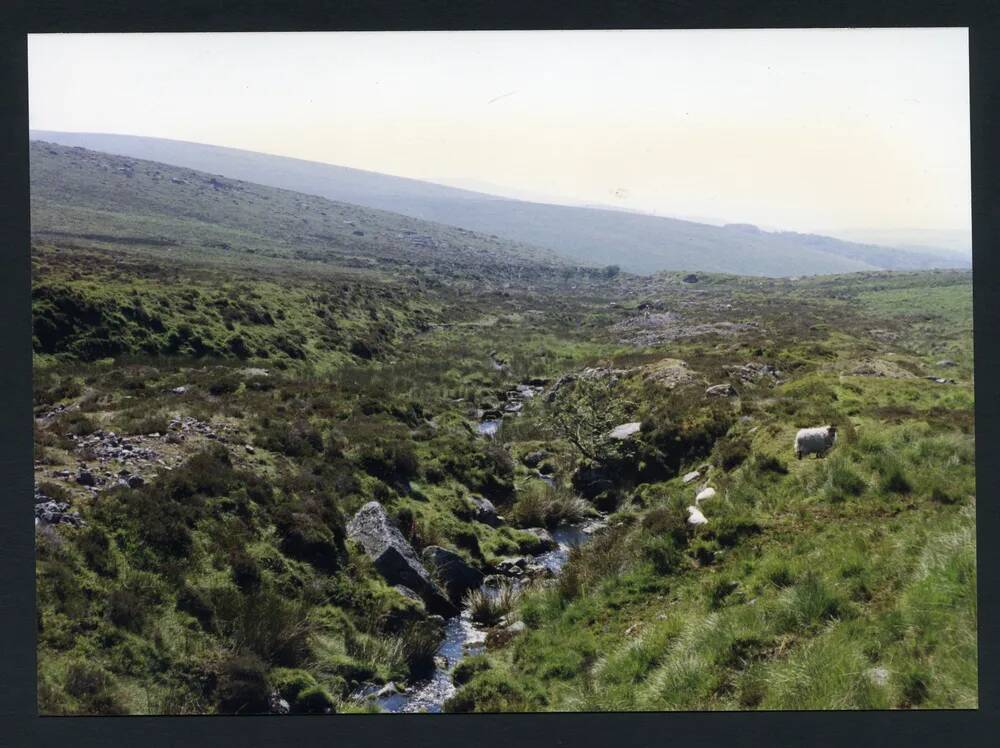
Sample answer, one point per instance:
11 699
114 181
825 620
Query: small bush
469 668
243 687
541 505
488 606
491 691
731 453
94 688
315 700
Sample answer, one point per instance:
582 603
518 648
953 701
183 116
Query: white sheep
706 493
818 439
695 517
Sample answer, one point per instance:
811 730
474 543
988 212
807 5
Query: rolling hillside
638 243
81 197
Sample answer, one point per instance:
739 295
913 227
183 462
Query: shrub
94 688
491 691
419 644
243 687
315 700
769 464
265 625
842 481
488 606
542 505
809 603
662 552
246 574
730 453
468 668
393 462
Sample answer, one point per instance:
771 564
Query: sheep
695 517
819 439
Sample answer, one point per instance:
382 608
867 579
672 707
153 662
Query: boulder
625 430
484 511
669 373
534 459
135 481
690 278
721 390
452 571
545 540
395 558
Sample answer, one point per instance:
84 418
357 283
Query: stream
464 638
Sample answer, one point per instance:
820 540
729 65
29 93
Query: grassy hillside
208 419
638 243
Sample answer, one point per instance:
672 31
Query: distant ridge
636 242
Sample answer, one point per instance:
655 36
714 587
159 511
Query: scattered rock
669 373
721 390
545 540
484 511
625 430
879 676
277 704
394 557
876 367
56 513
533 459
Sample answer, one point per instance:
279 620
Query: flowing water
464 638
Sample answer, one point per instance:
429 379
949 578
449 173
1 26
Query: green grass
842 582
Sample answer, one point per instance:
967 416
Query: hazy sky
797 129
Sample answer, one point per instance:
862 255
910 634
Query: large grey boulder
395 558
454 573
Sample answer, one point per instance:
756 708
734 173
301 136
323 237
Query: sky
793 129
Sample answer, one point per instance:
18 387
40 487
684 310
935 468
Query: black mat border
19 724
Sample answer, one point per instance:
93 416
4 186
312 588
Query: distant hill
89 198
635 242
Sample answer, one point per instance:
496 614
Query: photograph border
19 722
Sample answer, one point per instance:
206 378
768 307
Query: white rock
695 517
692 476
704 494
625 430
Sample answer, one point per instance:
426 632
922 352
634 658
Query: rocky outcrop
452 571
395 558
669 373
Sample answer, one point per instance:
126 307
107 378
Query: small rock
249 448
721 390
625 430
879 675
533 459
179 390
86 478
691 477
946 362
546 541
